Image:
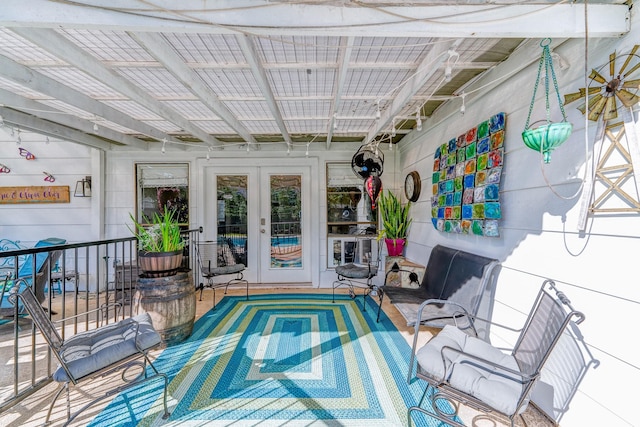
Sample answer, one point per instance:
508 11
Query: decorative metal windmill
603 95
609 103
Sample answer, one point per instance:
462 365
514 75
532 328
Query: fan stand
605 169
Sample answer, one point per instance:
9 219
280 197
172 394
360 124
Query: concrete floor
32 411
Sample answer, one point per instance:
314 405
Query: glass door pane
286 229
232 215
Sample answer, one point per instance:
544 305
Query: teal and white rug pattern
276 360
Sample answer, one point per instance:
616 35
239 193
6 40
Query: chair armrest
118 306
460 312
486 365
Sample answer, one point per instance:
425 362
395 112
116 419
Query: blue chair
34 272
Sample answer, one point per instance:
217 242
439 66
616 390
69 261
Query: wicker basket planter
159 264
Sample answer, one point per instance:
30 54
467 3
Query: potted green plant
395 222
160 244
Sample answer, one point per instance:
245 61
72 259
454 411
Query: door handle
262 230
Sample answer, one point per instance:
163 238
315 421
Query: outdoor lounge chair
219 259
362 261
455 282
463 368
94 353
34 270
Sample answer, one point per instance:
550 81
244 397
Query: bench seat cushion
487 385
353 271
89 352
221 271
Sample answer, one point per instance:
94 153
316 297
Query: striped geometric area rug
280 360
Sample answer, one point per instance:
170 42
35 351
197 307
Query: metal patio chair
362 261
94 353
216 259
462 368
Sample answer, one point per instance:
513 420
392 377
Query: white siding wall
68 163
120 187
539 237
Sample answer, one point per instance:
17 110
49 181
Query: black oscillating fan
367 161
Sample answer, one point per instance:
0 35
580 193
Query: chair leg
380 305
61 388
201 287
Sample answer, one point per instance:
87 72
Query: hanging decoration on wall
610 103
26 154
367 161
549 135
603 94
4 168
466 180
49 177
373 186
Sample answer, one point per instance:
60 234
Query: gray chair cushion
221 271
91 351
487 385
353 271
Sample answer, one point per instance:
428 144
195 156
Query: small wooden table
403 277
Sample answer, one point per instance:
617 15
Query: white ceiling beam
346 47
325 98
34 124
160 49
60 46
425 70
269 66
26 77
517 61
269 18
260 75
53 115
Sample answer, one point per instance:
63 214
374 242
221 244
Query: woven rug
275 360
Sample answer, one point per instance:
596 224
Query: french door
264 213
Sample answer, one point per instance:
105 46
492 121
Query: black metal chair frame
547 322
359 275
209 272
60 347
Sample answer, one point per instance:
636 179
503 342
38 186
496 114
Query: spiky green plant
395 216
163 235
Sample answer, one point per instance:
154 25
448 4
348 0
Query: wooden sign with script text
34 194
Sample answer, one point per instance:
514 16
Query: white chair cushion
490 387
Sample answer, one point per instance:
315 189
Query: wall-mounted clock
412 186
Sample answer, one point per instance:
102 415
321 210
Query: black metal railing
69 280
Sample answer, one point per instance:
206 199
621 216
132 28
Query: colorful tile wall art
466 180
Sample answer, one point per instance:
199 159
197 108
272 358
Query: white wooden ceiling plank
161 50
264 17
18 73
52 116
426 69
34 124
260 75
346 48
55 43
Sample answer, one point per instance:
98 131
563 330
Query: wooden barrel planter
171 302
